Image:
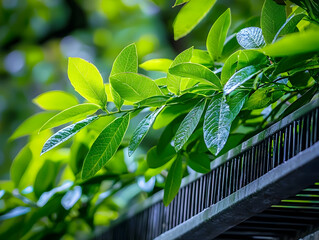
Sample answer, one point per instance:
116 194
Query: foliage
207 102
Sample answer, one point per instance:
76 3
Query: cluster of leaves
208 102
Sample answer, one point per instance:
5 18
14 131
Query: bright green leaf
126 61
66 133
197 71
293 44
161 64
199 162
179 2
20 164
229 67
188 125
217 123
156 159
217 35
141 130
240 77
134 87
251 57
273 16
155 101
105 146
250 37
55 100
202 57
190 15
87 81
71 114
173 181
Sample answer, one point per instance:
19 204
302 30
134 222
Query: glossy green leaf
156 159
32 124
229 67
71 114
190 15
179 2
202 57
236 102
66 133
173 181
161 81
250 37
188 125
290 25
251 57
86 80
20 164
174 82
217 35
126 61
293 44
273 16
194 70
217 123
105 146
155 101
263 97
134 87
118 101
239 78
160 64
199 162
141 130
55 100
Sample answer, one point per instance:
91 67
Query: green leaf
239 78
197 71
251 57
156 159
231 45
105 146
199 162
155 101
290 25
141 131
66 133
55 100
273 16
126 61
190 15
217 123
263 97
202 57
118 101
217 35
236 102
179 2
229 67
173 82
173 181
32 124
134 87
250 37
188 125
71 114
293 44
161 64
20 164
86 80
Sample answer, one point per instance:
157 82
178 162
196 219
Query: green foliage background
73 183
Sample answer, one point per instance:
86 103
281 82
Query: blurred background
38 36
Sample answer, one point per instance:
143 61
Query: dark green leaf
199 162
236 102
156 159
251 57
250 37
217 123
179 2
273 16
20 164
141 131
229 67
239 78
105 146
66 133
173 181
188 125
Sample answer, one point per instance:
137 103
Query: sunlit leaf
71 114
160 64
217 123
188 125
179 2
217 35
155 101
190 15
250 37
19 165
105 146
229 67
173 181
87 81
55 100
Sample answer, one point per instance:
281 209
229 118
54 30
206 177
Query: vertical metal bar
209 189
